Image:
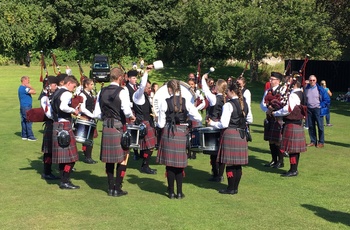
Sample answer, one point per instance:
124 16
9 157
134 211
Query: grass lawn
317 199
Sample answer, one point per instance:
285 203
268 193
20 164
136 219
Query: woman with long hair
173 119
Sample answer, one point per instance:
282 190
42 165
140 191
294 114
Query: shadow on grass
148 184
93 181
258 164
346 145
332 216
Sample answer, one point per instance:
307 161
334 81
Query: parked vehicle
100 68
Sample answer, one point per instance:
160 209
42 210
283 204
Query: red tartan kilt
111 150
274 132
233 149
172 149
150 140
64 155
293 139
46 146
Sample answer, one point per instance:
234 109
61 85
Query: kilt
111 150
46 146
172 149
233 149
150 140
274 130
293 138
64 155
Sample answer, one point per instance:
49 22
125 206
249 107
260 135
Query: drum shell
209 139
84 131
134 130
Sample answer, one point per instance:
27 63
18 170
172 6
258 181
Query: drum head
162 94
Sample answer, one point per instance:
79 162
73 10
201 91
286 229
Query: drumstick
125 161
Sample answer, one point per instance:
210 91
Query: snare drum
209 139
194 140
134 130
84 131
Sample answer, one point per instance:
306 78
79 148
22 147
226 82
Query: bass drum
162 94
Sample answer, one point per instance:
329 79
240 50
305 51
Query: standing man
272 124
131 87
46 147
28 58
25 92
113 107
64 148
293 136
316 98
143 110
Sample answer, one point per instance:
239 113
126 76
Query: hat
53 80
132 73
277 75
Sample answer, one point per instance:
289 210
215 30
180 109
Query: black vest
55 104
214 112
90 101
131 91
237 119
142 112
179 117
110 103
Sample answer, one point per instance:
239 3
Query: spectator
25 92
328 115
28 58
316 99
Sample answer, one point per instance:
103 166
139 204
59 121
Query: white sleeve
208 94
139 96
163 107
263 106
45 105
227 110
193 112
97 110
66 98
248 98
200 96
125 103
83 108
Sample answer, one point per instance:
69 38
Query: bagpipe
198 85
55 65
279 99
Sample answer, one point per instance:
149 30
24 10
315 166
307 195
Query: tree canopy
176 31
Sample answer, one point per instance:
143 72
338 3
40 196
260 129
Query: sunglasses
271 79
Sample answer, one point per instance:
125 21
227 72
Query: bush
4 60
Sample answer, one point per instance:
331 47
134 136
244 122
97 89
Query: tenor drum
134 130
195 140
209 139
84 131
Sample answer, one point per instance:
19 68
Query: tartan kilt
64 155
172 149
111 150
293 138
46 146
274 130
150 140
233 149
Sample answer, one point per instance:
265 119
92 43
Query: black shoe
120 193
110 192
171 195
271 164
49 177
148 170
68 185
194 156
289 174
89 161
180 196
228 191
278 165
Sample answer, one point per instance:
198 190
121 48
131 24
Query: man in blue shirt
25 92
316 99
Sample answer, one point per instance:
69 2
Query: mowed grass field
318 198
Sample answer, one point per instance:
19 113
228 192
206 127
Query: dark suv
100 68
